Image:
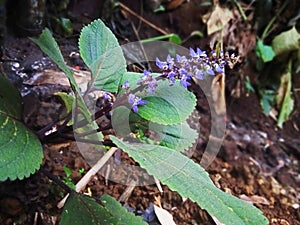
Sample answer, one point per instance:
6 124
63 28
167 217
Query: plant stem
87 177
240 9
56 180
267 29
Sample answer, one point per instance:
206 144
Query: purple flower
152 86
198 64
162 65
199 74
170 61
181 59
218 69
106 96
125 85
135 101
193 53
171 76
210 71
201 53
184 81
197 54
182 72
147 79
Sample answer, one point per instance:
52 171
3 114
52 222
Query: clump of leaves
277 62
161 99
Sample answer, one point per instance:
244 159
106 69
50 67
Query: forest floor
257 162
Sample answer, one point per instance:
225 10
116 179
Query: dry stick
126 194
87 177
142 19
157 182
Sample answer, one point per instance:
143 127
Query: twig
240 9
87 177
126 194
142 19
157 182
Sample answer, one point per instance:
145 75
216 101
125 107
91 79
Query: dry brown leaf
217 19
255 199
218 93
57 77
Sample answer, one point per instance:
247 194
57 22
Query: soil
258 161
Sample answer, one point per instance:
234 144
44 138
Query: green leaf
248 84
10 99
175 39
50 47
165 105
190 180
178 137
267 100
264 52
101 52
21 152
68 100
82 209
168 105
119 212
283 99
286 42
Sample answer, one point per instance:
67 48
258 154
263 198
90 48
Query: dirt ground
257 162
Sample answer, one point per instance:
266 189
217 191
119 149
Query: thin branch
88 176
56 180
142 19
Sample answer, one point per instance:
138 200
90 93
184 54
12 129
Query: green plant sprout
81 171
159 99
67 179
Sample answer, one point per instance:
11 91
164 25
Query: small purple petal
172 81
201 53
193 53
135 101
106 96
135 108
210 71
131 98
161 65
171 75
170 59
184 81
125 85
147 73
199 74
180 59
142 102
152 86
182 71
218 69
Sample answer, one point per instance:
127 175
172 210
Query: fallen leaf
286 42
284 99
217 19
57 77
